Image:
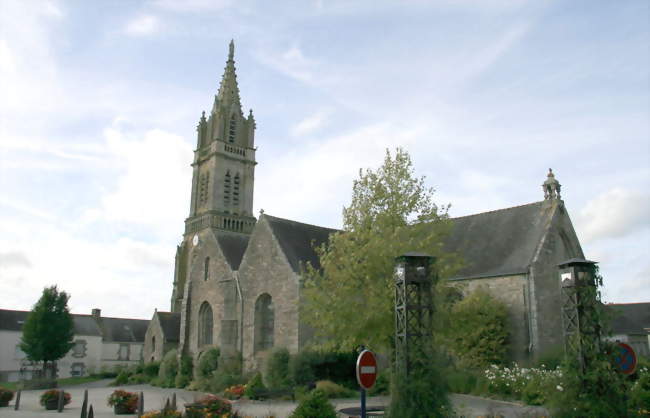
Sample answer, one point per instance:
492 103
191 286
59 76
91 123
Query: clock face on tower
195 240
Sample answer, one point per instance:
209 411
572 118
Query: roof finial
551 187
231 51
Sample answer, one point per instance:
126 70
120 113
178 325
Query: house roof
233 247
630 318
500 242
298 240
170 322
123 329
13 321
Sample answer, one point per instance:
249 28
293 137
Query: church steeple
224 161
228 95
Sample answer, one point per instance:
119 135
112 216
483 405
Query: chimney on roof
551 187
97 313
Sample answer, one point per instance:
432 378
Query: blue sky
99 102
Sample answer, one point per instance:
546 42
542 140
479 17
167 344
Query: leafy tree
48 331
349 301
478 333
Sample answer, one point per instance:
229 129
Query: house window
123 353
232 129
19 354
77 369
205 324
264 322
79 348
206 268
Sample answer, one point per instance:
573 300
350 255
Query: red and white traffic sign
366 369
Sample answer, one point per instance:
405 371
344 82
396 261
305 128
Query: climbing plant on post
592 386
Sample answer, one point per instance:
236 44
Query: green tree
478 334
48 331
349 301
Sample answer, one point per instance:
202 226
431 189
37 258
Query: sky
99 103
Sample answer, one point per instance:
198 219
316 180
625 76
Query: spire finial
231 50
551 187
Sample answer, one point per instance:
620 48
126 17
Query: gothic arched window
206 269
232 129
235 190
264 322
226 189
205 324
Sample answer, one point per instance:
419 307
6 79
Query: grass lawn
69 381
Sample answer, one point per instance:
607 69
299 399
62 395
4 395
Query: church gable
298 240
501 242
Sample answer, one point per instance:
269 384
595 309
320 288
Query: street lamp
414 279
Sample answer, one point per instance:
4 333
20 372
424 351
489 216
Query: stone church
237 278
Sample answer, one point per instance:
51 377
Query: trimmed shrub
184 376
307 367
168 369
313 405
208 363
254 386
121 379
479 333
151 369
332 390
39 384
277 369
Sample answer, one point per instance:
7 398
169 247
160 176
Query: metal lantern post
575 275
414 278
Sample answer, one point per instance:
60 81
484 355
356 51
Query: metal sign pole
363 403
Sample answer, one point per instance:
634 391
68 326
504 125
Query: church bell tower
223 175
224 162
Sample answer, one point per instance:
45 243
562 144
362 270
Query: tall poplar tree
349 301
49 329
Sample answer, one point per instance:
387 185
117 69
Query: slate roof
170 322
13 321
233 247
298 240
123 330
500 242
630 318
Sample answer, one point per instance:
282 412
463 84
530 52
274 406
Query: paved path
466 406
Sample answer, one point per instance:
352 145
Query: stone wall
265 269
558 245
511 290
202 290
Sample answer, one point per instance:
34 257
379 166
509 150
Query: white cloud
190 6
613 214
153 188
315 179
310 124
292 63
142 26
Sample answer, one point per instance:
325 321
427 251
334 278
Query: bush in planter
6 395
50 398
124 402
162 414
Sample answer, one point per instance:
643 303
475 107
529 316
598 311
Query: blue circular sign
625 358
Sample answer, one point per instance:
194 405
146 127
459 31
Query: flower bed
531 385
209 406
50 398
234 392
123 402
6 395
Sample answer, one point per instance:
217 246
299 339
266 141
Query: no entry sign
625 358
366 369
